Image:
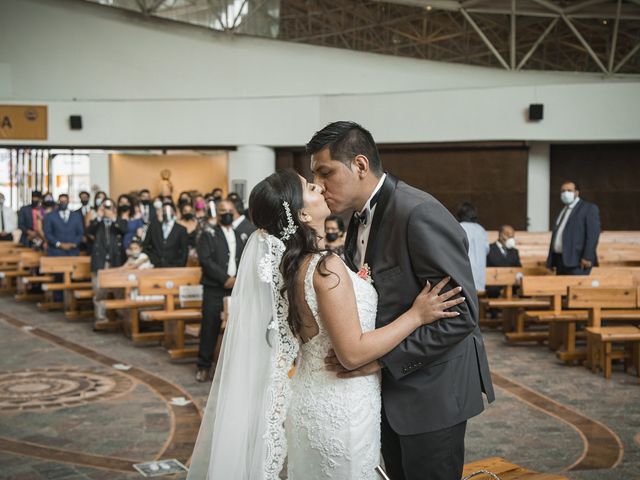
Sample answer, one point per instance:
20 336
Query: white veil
242 432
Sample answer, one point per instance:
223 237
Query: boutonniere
365 273
243 237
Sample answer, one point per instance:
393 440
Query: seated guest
503 252
219 251
478 244
574 240
241 223
8 221
29 217
63 230
166 242
334 235
136 258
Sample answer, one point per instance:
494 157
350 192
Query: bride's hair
267 211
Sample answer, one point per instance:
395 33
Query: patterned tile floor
525 424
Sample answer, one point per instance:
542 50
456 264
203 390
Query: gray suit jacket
435 378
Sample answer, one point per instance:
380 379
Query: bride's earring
304 217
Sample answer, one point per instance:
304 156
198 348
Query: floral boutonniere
243 237
365 273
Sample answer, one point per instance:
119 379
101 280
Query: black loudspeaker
536 111
75 122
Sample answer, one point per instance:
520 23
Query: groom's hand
333 365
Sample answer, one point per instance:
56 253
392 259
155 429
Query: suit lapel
387 189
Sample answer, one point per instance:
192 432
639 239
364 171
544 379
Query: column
248 165
538 184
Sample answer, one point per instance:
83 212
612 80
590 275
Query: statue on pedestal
166 187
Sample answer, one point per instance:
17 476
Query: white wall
538 184
251 163
139 81
99 172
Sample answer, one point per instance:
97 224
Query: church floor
67 414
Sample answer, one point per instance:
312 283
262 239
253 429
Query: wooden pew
127 281
505 470
28 260
610 304
562 322
76 275
173 317
193 329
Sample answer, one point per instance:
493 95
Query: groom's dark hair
345 140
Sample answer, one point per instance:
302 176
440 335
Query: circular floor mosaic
39 389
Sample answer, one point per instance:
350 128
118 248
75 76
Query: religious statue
166 187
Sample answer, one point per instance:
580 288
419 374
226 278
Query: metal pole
614 39
484 38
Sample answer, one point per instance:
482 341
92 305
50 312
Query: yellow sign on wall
23 122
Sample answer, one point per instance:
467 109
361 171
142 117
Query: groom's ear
361 164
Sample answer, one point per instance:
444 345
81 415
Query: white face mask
510 243
567 197
157 204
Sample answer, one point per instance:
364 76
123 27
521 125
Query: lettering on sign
23 122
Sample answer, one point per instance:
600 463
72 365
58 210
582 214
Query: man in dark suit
433 381
219 250
27 217
241 223
63 230
166 242
575 234
503 252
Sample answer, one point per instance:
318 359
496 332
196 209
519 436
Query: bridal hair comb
291 227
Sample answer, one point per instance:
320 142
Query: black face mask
84 202
145 202
35 203
62 206
188 217
226 219
332 237
217 197
123 209
48 203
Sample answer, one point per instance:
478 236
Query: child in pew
136 258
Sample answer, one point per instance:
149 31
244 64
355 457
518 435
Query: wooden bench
174 317
601 340
28 260
505 471
193 329
609 304
561 323
76 275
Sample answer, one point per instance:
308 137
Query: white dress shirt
237 221
64 215
566 211
9 218
230 235
166 229
365 228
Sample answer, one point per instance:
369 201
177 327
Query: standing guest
219 251
217 194
107 252
184 199
28 217
8 221
63 230
241 223
575 234
85 197
145 205
200 208
503 252
135 224
334 235
189 221
166 242
478 244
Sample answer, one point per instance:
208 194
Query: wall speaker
536 111
75 122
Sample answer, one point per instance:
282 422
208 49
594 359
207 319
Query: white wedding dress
333 424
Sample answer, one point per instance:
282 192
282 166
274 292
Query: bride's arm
339 313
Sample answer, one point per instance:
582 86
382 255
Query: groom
433 381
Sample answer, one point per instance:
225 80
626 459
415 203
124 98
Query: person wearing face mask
166 241
63 230
28 218
84 197
575 235
8 221
136 258
217 194
219 250
503 252
334 235
241 223
145 204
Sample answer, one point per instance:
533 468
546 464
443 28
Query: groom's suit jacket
435 378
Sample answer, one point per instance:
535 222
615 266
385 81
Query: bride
293 298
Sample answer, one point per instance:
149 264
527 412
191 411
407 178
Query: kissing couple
388 354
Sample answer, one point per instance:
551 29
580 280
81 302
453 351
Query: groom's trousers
435 455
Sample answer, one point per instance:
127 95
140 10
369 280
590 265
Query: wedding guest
135 223
28 218
8 221
217 194
241 223
63 230
145 204
84 197
478 244
219 251
136 258
576 231
166 242
503 252
334 235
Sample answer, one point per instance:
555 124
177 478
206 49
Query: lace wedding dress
333 424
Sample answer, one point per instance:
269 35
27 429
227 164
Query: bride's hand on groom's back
430 305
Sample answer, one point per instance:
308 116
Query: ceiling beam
484 38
